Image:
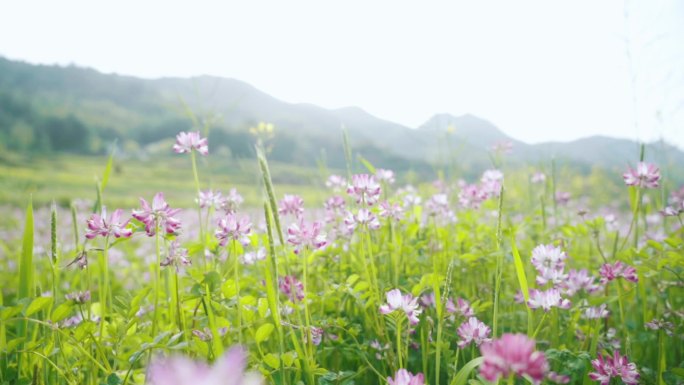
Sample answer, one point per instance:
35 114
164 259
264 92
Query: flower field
502 279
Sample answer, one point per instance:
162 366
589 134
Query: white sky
540 70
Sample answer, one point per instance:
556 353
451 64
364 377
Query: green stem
104 288
157 279
193 157
236 277
399 354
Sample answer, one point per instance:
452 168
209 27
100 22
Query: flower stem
157 278
193 157
236 277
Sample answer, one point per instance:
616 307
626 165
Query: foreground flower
616 270
177 257
406 303
404 377
473 331
646 175
158 215
364 188
363 218
548 257
188 141
306 235
229 369
291 204
99 225
234 228
547 299
512 354
607 367
578 280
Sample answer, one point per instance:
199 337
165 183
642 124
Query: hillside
79 110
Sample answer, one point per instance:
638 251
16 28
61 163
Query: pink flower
538 177
306 235
98 225
406 303
364 188
547 299
471 196
364 218
562 197
334 208
210 198
548 257
292 288
391 210
610 272
512 354
251 257
596 312
336 183
491 182
578 280
386 176
177 256
404 377
607 367
229 369
188 141
316 335
551 275
234 228
291 204
473 331
644 176
657 324
558 378
462 307
159 214
232 201
438 205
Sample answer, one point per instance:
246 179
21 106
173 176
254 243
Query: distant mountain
53 108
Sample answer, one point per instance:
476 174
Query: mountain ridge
121 106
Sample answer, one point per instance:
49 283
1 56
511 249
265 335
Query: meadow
139 271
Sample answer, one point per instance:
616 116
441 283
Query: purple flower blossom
210 198
99 225
471 196
177 256
232 201
437 205
551 275
558 378
80 297
512 354
336 183
473 331
234 228
616 270
578 280
363 218
316 335
391 210
291 204
229 369
657 324
607 367
644 176
407 303
292 288
547 299
461 307
159 214
251 257
404 377
188 141
562 197
364 188
538 177
306 235
491 182
548 257
386 176
596 312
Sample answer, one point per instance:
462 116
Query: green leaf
113 379
520 271
108 169
264 332
462 376
367 164
272 360
38 304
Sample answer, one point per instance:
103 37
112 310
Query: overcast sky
540 70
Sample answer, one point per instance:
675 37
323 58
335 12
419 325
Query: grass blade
462 376
268 183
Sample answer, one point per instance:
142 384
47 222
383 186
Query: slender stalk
157 279
236 277
104 288
499 262
399 353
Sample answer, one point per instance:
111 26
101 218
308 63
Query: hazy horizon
538 71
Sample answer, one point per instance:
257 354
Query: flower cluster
99 225
645 175
232 227
473 331
512 354
188 141
607 367
547 299
404 377
406 303
159 215
616 270
364 188
306 235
